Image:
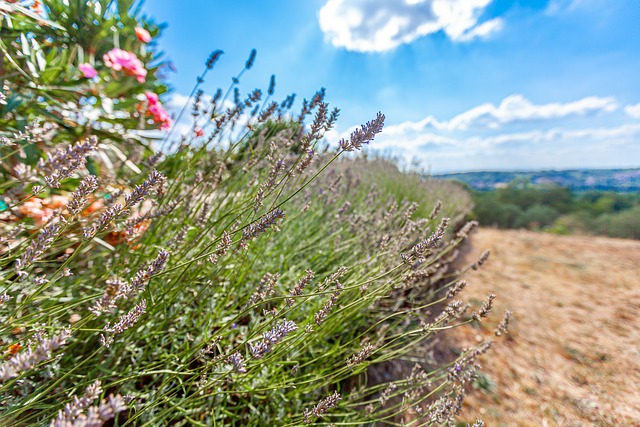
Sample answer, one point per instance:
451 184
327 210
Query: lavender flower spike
363 135
34 355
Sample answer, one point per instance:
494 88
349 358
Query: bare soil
572 356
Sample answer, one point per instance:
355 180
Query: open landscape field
573 350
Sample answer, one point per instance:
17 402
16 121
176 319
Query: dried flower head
125 322
503 326
321 408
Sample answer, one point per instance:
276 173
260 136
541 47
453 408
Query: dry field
572 357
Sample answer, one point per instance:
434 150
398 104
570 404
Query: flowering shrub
85 66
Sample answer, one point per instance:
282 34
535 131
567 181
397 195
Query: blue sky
464 84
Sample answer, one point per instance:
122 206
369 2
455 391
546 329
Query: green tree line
557 209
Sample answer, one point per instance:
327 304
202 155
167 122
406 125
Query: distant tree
537 216
625 224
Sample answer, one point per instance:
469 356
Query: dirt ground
572 356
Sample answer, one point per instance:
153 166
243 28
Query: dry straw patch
572 355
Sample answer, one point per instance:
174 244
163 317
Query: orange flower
116 238
56 201
96 205
34 208
13 349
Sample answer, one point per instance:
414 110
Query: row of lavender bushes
250 274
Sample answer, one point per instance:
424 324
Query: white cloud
517 134
536 148
380 25
633 110
514 108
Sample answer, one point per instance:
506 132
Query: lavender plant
250 276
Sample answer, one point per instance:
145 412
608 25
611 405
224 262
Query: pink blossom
198 131
152 98
156 110
118 59
143 35
87 70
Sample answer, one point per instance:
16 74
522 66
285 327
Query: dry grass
573 353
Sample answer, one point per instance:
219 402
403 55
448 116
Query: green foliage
625 224
537 216
41 50
556 209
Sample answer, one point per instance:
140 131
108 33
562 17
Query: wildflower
105 219
34 355
485 309
76 408
455 289
321 315
265 288
258 227
118 289
436 209
466 229
221 249
80 196
483 258
157 111
272 337
155 180
425 246
251 60
272 85
503 326
118 59
87 70
125 322
37 247
237 361
213 58
4 297
386 393
96 415
360 356
198 131
299 286
142 277
322 407
143 35
363 135
65 161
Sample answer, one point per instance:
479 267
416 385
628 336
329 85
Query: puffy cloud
536 148
518 134
633 110
514 108
380 25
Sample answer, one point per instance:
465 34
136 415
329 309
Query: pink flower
199 131
156 110
118 59
143 35
87 70
152 98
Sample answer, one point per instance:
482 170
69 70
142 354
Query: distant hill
618 180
